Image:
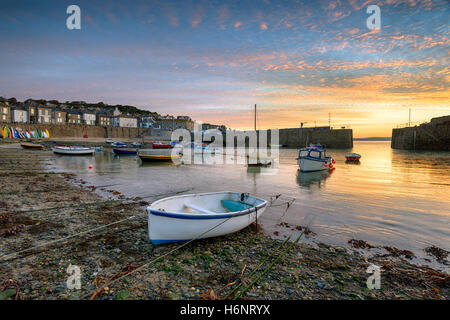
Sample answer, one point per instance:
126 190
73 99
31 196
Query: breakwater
330 138
433 135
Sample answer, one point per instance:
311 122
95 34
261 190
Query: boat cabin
313 153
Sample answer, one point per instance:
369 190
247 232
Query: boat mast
255 116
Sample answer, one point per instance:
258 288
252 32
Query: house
5 112
19 114
31 107
116 112
124 121
89 118
146 122
59 116
44 114
73 117
170 123
103 118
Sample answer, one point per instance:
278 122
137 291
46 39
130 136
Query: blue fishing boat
118 144
314 158
124 151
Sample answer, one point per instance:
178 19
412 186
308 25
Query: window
315 154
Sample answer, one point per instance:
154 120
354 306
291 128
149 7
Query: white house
19 115
89 118
123 121
44 114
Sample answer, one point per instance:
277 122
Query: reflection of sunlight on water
392 197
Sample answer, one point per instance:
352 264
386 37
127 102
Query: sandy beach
50 221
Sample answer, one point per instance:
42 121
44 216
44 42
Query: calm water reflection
392 197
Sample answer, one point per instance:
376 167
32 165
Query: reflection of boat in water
308 179
314 158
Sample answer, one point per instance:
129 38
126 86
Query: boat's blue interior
234 206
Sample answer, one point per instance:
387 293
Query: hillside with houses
42 111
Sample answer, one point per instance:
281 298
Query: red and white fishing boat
160 145
352 157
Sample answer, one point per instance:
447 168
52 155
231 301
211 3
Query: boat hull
307 165
73 151
167 226
124 151
32 146
150 155
352 157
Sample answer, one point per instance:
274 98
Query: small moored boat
158 154
314 158
204 215
118 144
160 145
73 150
125 151
352 157
35 146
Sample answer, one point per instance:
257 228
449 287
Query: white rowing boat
203 215
72 150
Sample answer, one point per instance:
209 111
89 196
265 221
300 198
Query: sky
299 61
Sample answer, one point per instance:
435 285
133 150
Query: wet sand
45 226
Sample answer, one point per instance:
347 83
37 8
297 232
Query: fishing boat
124 151
204 215
72 150
160 145
314 158
352 157
158 155
35 146
118 144
136 144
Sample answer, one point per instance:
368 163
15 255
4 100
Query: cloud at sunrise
299 61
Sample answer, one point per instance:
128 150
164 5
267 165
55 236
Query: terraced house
5 112
73 117
89 118
103 118
19 114
59 116
44 114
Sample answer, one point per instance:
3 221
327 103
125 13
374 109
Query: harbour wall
434 135
300 137
291 137
80 130
330 138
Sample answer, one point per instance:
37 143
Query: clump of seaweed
360 244
397 252
438 253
